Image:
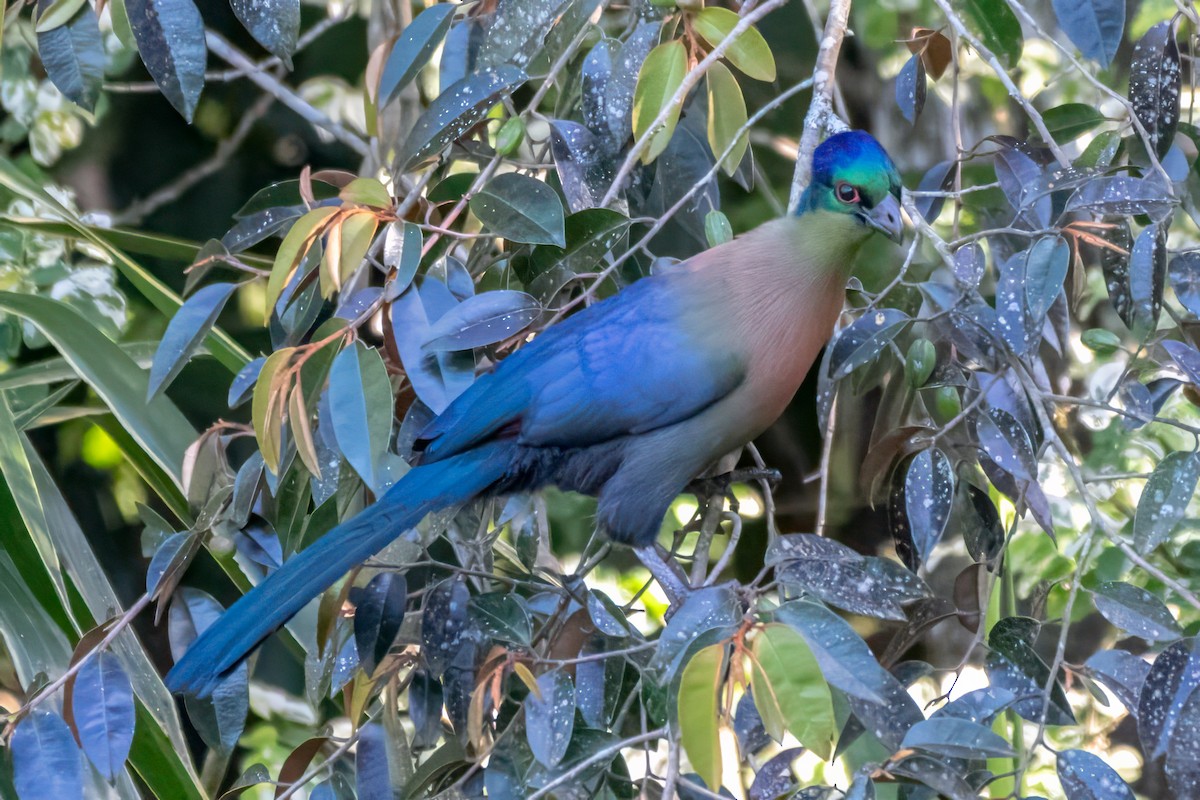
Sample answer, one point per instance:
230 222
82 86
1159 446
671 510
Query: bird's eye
846 193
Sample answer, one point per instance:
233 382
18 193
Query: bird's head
853 175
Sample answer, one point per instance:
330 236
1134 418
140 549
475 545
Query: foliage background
1049 158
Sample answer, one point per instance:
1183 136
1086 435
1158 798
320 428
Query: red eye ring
846 193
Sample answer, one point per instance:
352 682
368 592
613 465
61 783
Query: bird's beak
885 217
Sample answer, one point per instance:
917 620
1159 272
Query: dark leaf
1183 753
456 110
937 775
1085 776
1164 499
863 341
45 759
1186 357
1173 678
550 717
845 660
775 779
73 55
444 624
275 24
1185 280
928 498
584 168
1071 120
940 178
170 40
221 717
1046 265
517 32
619 90
1124 196
503 616
1006 443
748 725
1154 83
378 614
521 209
185 332
1122 673
711 608
360 395
242 385
979 522
458 52
979 705
483 319
1116 268
837 575
372 777
425 709
1014 665
1019 177
1147 275
1094 26
1136 611
686 163
413 50
998 28
910 89
890 720
102 704
402 252
955 738
969 264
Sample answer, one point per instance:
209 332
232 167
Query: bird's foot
722 485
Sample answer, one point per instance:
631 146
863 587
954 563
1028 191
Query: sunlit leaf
998 28
726 116
1136 611
790 691
658 82
749 52
699 699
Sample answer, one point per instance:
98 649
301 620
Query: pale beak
885 217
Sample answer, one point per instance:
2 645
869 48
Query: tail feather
249 621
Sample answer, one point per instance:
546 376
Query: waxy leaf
584 169
1045 270
658 81
275 24
1186 357
928 498
1122 673
102 704
360 396
1147 276
454 112
998 29
413 50
73 54
1094 26
45 759
910 89
1014 665
845 659
1173 678
1125 196
1183 752
1085 776
749 52
372 776
521 209
1071 120
401 252
170 40
699 698
789 690
1154 83
377 617
1006 443
503 616
517 32
713 608
1185 280
1136 611
748 725
863 341
186 330
1165 499
939 178
956 738
221 717
775 778
726 116
482 320
444 624
550 717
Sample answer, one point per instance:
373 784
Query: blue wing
627 365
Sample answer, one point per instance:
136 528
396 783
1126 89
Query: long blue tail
261 611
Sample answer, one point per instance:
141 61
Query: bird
627 400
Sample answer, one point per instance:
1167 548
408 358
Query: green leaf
717 229
266 408
366 192
54 13
789 690
158 426
521 209
222 346
360 402
72 51
454 112
185 332
661 76
998 28
1071 120
699 699
302 235
275 24
170 40
34 641
413 50
1165 499
726 116
749 52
